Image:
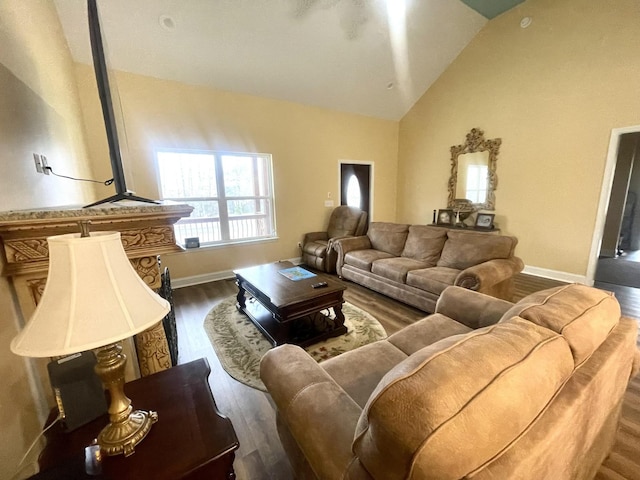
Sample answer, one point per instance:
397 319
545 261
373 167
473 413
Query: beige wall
39 112
306 143
553 92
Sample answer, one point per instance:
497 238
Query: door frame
371 181
605 195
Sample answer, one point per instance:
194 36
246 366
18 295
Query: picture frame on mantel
445 217
485 220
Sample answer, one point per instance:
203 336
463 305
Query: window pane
206 231
187 174
353 192
205 209
245 176
246 207
249 219
239 176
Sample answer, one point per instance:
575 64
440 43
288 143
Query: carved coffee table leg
240 305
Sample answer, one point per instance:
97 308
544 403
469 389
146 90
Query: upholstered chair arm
635 366
345 245
309 403
473 309
482 276
313 236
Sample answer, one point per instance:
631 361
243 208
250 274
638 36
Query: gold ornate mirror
473 171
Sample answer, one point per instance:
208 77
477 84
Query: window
231 194
353 192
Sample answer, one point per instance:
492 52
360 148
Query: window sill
240 243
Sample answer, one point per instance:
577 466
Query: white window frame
224 219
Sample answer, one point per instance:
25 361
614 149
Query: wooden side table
191 439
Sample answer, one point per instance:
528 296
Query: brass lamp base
117 438
126 427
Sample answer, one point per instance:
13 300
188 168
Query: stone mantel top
146 231
122 209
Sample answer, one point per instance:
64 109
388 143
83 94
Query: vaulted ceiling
370 57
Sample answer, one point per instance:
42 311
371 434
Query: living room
553 92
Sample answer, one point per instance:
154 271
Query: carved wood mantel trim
146 231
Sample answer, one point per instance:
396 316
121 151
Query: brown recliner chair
316 247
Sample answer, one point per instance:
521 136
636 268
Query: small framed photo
445 217
192 242
485 220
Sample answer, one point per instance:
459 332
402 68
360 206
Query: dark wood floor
252 412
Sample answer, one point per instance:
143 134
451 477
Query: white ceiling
337 54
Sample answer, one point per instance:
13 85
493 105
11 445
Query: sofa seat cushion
359 371
465 249
425 244
423 422
426 332
317 248
388 237
396 268
363 259
434 279
583 315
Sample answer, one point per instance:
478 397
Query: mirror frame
476 142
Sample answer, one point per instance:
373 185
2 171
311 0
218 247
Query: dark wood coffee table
290 311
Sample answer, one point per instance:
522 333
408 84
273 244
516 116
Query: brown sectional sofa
482 389
415 263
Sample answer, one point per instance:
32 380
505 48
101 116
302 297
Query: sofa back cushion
583 315
388 237
424 244
451 407
466 249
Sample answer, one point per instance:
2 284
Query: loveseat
415 263
481 389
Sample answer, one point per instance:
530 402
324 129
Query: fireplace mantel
146 231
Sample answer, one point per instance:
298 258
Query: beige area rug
240 345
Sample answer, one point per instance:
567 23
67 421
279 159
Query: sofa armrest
313 236
473 309
489 273
348 244
319 414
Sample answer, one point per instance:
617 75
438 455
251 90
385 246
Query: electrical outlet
36 158
45 164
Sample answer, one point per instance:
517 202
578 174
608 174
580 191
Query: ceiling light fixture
525 22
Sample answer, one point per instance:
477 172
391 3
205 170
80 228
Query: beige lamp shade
93 297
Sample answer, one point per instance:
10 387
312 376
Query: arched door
355 186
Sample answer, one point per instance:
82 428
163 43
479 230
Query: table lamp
93 299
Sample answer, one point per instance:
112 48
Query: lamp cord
33 444
106 182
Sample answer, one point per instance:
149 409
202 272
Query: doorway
618 256
356 185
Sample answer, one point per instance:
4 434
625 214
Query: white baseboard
557 275
213 276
